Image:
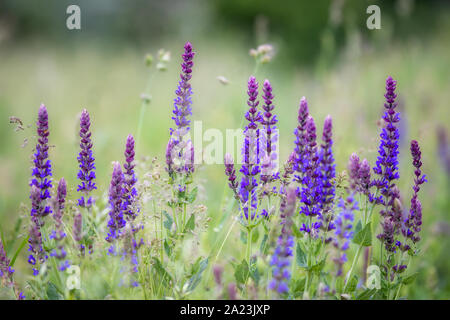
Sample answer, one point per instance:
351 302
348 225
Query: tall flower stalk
40 191
180 150
269 140
86 174
116 219
58 234
281 258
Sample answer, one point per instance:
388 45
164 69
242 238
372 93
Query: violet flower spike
116 222
182 110
58 234
42 170
129 190
387 170
269 136
343 233
6 272
250 167
183 102
281 258
310 195
86 174
300 138
413 223
230 172
327 171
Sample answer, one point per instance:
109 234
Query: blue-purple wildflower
86 175
58 234
344 233
387 170
281 259
130 209
250 153
116 220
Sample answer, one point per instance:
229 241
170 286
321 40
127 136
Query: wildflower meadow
228 177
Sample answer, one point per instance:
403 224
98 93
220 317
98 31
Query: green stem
355 260
249 243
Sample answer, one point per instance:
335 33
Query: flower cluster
58 234
129 192
250 154
343 233
283 252
42 170
40 190
86 162
116 220
413 223
6 272
180 152
309 193
387 170
359 174
327 172
269 137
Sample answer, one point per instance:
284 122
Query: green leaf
352 284
339 284
409 279
300 258
366 294
254 274
195 279
297 286
241 272
165 276
190 225
192 195
296 231
318 267
52 292
264 248
23 243
363 236
167 248
168 222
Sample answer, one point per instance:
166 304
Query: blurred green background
324 51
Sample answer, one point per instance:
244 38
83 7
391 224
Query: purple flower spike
353 171
270 137
387 163
42 170
327 172
86 162
310 195
183 102
300 134
344 233
58 234
116 222
281 258
413 223
180 151
129 192
6 271
327 166
231 174
78 227
387 170
250 151
359 175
